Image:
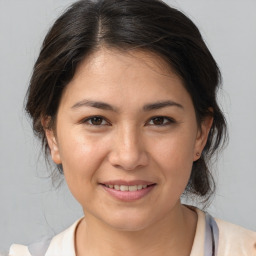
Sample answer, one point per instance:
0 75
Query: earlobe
202 136
52 143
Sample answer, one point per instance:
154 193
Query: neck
172 235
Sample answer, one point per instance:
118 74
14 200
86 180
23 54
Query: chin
128 222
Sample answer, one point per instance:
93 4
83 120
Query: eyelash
167 121
89 119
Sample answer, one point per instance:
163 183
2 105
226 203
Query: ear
202 136
52 140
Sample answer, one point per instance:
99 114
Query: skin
128 143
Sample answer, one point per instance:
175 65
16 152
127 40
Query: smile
127 188
128 193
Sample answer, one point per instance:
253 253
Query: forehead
128 58
113 75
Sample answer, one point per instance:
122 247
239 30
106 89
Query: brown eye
158 120
95 121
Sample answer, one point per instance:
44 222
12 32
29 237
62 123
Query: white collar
64 243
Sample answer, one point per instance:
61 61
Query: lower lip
128 195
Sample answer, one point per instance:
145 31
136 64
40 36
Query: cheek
174 155
81 157
79 149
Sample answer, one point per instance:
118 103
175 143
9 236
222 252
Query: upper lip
127 183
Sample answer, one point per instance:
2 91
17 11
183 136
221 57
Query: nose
128 150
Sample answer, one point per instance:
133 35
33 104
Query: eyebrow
94 104
161 104
106 106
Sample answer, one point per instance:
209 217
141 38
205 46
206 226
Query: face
125 122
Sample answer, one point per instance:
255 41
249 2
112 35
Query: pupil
158 120
96 120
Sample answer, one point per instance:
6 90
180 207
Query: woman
123 97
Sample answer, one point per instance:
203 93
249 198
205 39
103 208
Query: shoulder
64 243
233 238
61 244
19 250
229 239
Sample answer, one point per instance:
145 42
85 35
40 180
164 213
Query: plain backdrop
30 206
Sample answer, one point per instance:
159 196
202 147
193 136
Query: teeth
127 188
116 187
133 188
124 188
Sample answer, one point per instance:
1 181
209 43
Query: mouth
128 191
128 188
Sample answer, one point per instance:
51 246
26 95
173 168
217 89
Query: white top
233 241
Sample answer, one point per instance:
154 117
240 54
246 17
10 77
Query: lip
127 183
128 196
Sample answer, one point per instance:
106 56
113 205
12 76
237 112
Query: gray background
30 206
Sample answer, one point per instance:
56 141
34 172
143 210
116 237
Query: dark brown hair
149 25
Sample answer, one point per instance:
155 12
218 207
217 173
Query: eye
160 121
95 121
